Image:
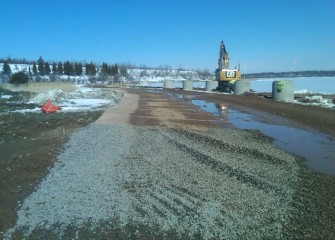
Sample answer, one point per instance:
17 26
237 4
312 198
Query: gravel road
157 167
148 182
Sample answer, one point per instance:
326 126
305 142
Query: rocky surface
182 182
146 181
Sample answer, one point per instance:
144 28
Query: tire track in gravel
141 176
231 171
229 147
229 151
170 201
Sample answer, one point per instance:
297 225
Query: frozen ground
314 87
82 99
321 85
317 91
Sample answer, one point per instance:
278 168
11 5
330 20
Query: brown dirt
30 142
147 108
160 108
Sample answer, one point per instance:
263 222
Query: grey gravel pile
224 183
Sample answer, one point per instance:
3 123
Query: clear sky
260 35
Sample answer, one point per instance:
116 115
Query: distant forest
76 68
290 74
41 67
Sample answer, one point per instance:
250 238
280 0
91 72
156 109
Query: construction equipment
225 76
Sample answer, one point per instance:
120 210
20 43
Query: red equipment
48 107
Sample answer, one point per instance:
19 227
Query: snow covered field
175 84
135 75
303 85
322 85
82 99
155 78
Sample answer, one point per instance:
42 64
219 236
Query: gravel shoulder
155 173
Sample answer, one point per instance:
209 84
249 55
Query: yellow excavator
225 76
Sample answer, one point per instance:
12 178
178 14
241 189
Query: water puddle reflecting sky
318 149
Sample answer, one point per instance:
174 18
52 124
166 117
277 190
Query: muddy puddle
317 148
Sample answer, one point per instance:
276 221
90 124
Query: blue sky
260 35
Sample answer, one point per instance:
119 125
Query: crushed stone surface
207 184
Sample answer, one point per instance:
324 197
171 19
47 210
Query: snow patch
318 100
302 91
82 99
6 96
55 95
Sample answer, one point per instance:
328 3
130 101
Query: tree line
323 73
42 68
15 60
39 68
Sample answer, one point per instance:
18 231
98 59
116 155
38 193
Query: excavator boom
223 58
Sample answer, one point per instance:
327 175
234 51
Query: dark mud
29 143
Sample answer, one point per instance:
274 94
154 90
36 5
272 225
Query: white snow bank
302 91
318 100
34 110
6 96
85 104
82 99
321 85
55 95
175 84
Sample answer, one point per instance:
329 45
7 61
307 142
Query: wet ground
315 147
307 131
